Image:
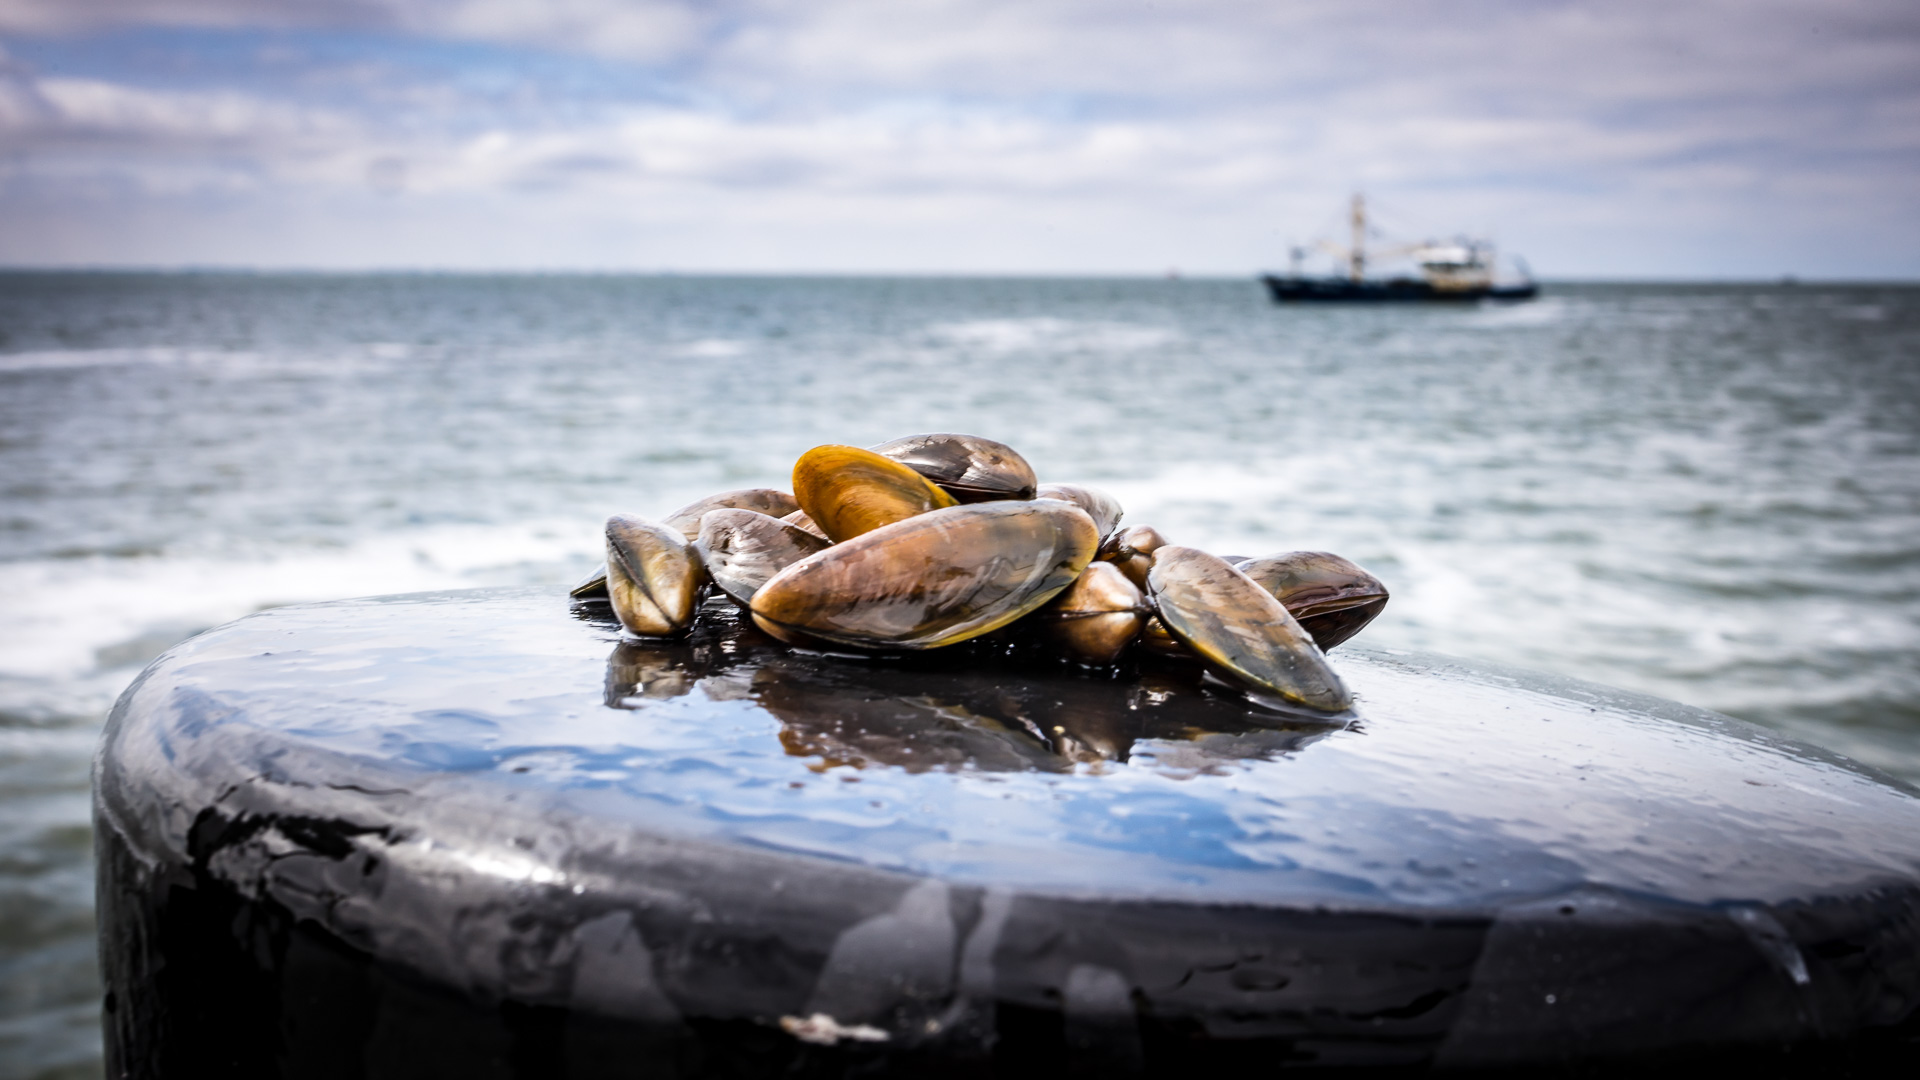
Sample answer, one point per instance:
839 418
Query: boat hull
1291 289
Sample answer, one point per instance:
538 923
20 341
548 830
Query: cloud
1667 120
636 29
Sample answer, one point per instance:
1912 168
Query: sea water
1710 493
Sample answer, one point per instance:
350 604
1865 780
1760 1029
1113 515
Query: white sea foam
68 617
713 348
1010 335
1542 312
234 363
52 359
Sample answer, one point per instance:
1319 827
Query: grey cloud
643 29
69 17
1603 115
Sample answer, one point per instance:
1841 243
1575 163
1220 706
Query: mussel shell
743 549
1099 590
970 468
1132 551
1240 630
1331 597
1098 616
1153 637
591 587
799 520
848 491
1136 540
1103 508
653 576
770 501
934 579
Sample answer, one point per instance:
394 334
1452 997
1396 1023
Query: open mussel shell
591 587
653 576
934 579
1098 616
1240 630
848 491
1332 598
770 501
1131 550
970 468
1103 508
743 549
686 521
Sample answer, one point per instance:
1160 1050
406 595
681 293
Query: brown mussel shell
591 587
770 501
934 579
743 549
1103 508
970 468
1331 597
1098 616
1155 639
1240 630
687 521
1132 551
848 491
799 520
653 576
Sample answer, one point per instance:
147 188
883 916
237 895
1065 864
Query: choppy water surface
1708 493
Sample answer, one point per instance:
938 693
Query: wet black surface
475 834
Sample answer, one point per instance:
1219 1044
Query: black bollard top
980 852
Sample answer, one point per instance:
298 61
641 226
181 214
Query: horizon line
1170 276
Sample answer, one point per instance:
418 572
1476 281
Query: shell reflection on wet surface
743 549
848 491
971 709
653 576
968 467
1098 616
641 672
1238 628
770 501
933 579
1104 509
1332 597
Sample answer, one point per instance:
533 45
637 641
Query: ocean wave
1041 332
72 616
1545 311
219 363
57 359
712 348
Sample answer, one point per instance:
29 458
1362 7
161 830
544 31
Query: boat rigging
1460 269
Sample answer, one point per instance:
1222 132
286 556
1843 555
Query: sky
1634 138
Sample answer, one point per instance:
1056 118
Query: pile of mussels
932 540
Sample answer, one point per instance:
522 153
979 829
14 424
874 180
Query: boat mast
1356 255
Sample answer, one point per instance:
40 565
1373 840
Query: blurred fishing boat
1454 270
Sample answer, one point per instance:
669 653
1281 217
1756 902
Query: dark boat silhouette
1454 271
